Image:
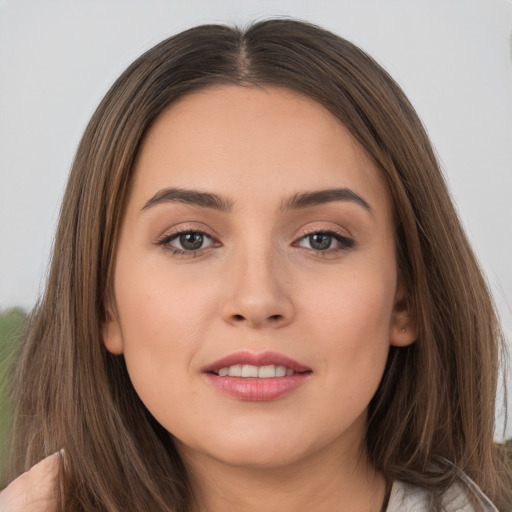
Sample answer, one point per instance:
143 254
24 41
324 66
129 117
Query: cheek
351 329
161 309
356 306
163 321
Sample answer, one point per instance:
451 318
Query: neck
322 482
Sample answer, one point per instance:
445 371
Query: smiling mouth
253 377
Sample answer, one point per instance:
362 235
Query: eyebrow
307 199
192 197
216 202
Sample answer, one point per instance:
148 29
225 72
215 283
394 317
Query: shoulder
35 490
463 496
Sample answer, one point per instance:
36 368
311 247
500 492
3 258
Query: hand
33 491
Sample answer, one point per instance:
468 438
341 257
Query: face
256 291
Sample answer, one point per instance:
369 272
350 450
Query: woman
260 298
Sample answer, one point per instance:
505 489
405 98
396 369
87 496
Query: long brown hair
436 400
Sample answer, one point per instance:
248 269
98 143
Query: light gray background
58 58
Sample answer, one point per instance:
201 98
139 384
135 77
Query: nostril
272 318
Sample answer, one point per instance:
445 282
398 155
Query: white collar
462 496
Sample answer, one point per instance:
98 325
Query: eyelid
187 227
324 228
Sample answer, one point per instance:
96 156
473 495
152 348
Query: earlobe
403 329
402 336
111 333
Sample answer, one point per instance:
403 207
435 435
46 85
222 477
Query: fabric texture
463 496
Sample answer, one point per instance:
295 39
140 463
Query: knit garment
463 496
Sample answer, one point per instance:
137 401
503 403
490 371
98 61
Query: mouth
256 377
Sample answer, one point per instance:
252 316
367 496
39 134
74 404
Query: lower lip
257 390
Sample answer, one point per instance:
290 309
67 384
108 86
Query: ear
403 328
112 333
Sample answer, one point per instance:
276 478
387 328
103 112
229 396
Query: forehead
247 140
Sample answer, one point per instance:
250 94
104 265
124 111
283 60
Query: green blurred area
12 324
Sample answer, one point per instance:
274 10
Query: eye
186 242
191 241
319 241
325 241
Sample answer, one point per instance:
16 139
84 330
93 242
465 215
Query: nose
259 293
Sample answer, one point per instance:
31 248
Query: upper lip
256 359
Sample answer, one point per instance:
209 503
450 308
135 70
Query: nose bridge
259 293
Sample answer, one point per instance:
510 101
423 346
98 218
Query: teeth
266 372
262 372
280 371
249 370
235 371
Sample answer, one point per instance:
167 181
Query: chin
256 459
252 450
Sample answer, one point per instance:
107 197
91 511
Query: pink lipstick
256 377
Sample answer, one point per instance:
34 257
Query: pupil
320 241
191 241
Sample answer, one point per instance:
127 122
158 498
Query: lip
254 389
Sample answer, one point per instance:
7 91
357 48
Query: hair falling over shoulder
437 398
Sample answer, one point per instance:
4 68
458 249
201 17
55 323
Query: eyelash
345 242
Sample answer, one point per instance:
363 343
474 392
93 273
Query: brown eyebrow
307 199
193 197
216 202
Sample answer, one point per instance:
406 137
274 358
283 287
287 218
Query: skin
259 284
33 491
